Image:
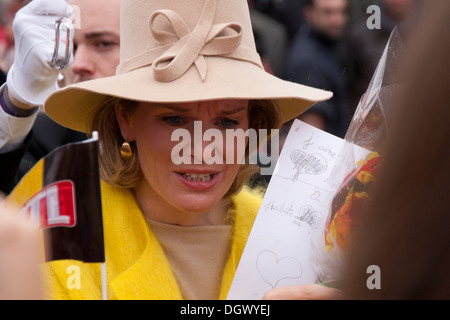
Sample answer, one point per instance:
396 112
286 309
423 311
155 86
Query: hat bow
180 48
186 47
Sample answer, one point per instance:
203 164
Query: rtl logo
53 206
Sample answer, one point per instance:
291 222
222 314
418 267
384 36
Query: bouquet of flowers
359 163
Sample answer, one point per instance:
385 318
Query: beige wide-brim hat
176 51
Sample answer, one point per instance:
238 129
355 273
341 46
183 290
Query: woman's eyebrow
181 109
235 110
172 107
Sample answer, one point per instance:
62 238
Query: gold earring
126 150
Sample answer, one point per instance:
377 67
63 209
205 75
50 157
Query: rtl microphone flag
61 194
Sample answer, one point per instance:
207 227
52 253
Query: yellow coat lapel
135 258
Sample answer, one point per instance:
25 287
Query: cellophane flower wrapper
357 166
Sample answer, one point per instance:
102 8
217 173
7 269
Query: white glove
30 79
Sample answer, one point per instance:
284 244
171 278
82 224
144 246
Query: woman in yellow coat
176 215
137 267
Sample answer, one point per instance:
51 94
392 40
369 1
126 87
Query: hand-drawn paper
294 209
272 269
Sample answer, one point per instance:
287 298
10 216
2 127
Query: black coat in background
2 77
313 60
45 136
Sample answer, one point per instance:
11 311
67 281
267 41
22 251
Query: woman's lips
198 180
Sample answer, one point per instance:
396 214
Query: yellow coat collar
148 274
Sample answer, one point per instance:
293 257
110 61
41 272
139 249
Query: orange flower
349 201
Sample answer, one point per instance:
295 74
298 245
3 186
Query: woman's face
193 188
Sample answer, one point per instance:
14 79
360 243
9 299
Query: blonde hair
126 173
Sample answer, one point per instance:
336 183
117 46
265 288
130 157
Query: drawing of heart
308 163
272 270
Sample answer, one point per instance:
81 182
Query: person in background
404 232
96 55
8 9
365 46
286 12
271 40
313 61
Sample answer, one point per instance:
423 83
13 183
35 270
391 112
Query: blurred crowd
8 9
328 44
320 43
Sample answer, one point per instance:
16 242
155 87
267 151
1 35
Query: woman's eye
173 120
228 123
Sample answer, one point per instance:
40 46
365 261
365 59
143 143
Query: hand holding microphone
34 73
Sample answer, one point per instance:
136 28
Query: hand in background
304 292
20 255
